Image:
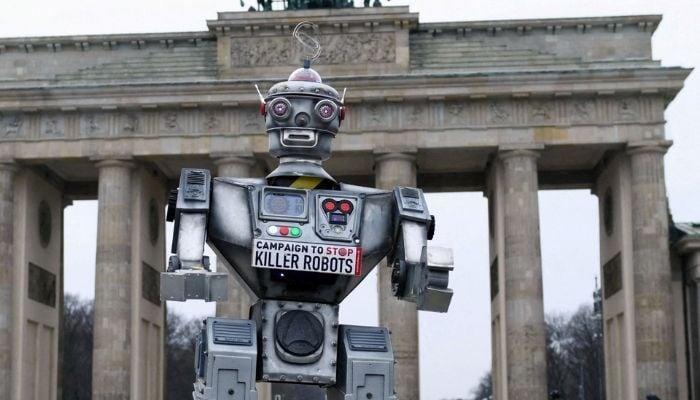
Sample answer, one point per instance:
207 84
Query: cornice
659 81
107 42
550 25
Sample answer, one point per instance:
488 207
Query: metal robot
300 242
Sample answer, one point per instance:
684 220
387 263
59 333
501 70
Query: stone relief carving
94 124
415 115
170 120
11 125
628 109
356 48
130 123
211 121
252 121
456 113
52 125
582 110
376 116
541 111
500 113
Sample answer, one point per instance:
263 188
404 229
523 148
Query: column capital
8 165
398 155
233 158
114 162
649 146
514 150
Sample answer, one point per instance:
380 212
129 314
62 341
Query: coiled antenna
311 47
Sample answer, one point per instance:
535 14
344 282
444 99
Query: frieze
358 48
364 116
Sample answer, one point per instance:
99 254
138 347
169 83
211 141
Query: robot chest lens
299 333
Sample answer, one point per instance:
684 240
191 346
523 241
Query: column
653 302
526 356
112 323
401 317
239 301
7 175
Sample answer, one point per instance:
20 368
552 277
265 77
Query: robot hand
420 272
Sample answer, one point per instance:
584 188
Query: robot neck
303 173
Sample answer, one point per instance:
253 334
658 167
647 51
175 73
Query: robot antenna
311 45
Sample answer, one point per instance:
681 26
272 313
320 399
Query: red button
284 230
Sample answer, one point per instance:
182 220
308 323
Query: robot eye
326 110
280 108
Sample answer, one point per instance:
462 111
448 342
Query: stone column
526 361
7 175
238 304
112 323
653 302
401 317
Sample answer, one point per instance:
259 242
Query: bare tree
484 390
179 352
77 348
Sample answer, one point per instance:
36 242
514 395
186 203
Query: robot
300 242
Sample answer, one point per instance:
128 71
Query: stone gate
502 107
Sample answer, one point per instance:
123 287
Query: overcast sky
455 347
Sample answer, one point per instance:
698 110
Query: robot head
302 116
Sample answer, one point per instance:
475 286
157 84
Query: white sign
310 257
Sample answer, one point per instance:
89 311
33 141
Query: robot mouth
300 138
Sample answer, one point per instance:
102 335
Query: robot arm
420 273
188 275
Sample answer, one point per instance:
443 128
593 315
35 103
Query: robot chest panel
308 230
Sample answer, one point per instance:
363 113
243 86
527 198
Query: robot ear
341 113
263 109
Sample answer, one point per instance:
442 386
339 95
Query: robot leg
226 360
365 364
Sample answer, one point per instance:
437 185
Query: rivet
332 363
230 392
334 343
266 377
316 379
300 305
300 378
283 377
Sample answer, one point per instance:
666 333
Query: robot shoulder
360 189
242 181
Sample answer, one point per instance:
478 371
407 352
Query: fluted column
526 361
401 317
7 206
238 303
112 324
653 302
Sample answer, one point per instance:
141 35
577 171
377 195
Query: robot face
302 116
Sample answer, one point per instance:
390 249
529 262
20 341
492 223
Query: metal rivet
332 363
266 377
230 392
283 377
300 378
316 379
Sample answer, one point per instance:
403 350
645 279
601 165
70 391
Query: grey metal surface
233 226
193 285
365 365
226 361
318 369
